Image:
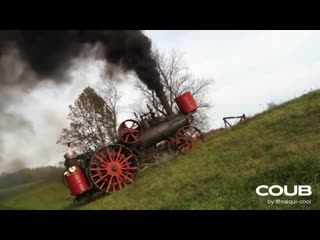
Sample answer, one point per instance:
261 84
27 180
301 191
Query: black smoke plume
49 53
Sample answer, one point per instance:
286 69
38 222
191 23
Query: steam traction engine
113 167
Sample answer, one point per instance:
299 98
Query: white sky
249 68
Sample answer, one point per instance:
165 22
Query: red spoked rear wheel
187 137
129 131
112 168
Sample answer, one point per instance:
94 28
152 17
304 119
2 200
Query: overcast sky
249 68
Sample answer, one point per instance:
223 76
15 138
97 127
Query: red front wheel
112 168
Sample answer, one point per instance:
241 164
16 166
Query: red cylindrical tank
186 103
77 182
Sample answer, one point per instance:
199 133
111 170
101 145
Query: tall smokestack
163 99
49 53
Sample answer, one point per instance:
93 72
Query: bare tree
90 122
111 96
177 79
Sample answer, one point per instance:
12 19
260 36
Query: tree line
27 175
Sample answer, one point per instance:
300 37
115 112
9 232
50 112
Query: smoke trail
28 57
49 53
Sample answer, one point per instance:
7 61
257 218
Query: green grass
280 146
37 196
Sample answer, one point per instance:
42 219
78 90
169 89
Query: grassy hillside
281 146
49 194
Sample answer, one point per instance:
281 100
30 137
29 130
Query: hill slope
281 146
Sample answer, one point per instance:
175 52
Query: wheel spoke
109 155
98 169
101 187
126 177
134 137
105 158
123 131
130 168
101 178
122 157
127 137
119 182
96 175
122 180
128 172
109 185
118 155
100 159
126 159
